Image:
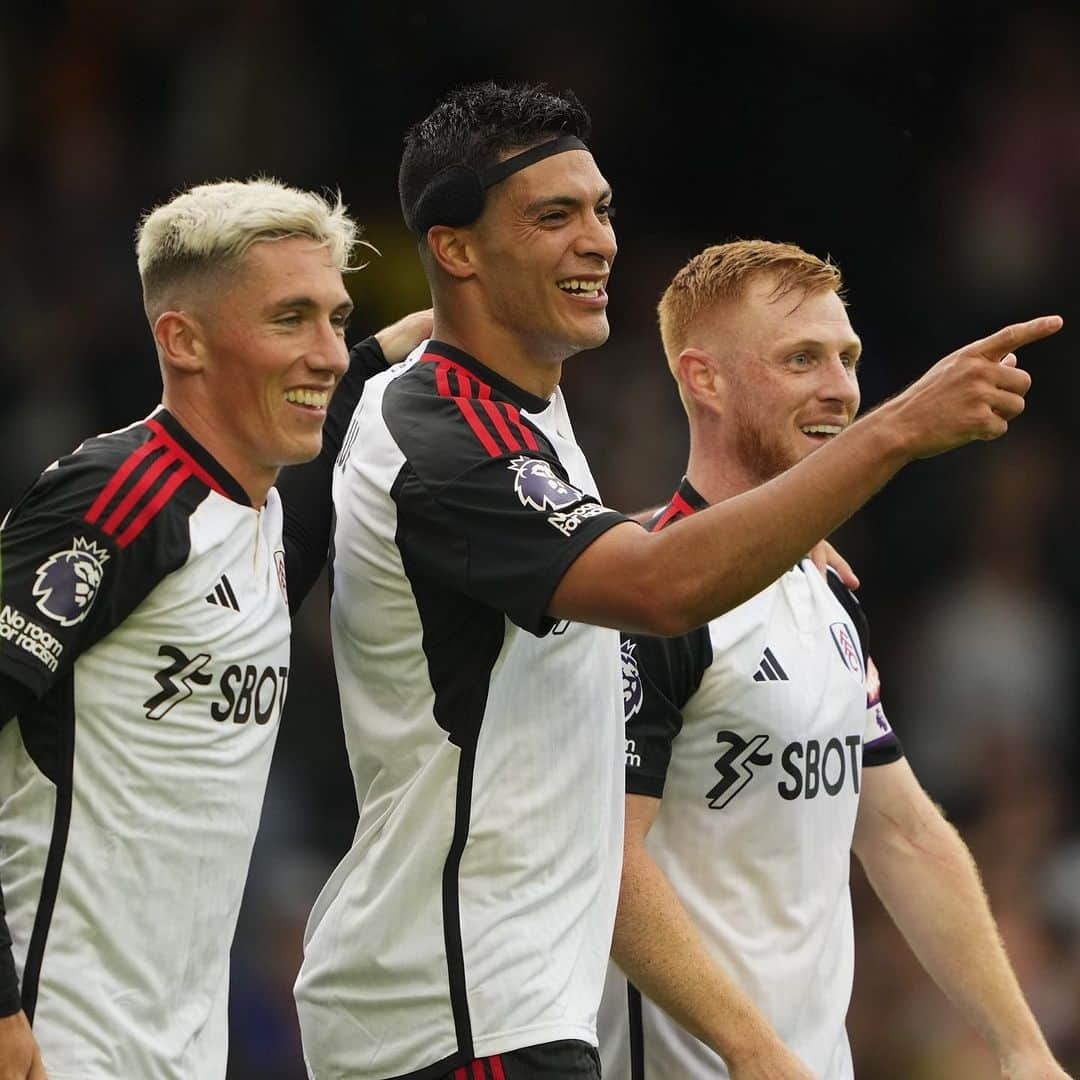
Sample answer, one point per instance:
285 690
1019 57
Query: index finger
1012 337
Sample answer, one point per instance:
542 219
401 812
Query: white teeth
822 429
314 398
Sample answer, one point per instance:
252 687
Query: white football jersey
143 606
754 731
473 914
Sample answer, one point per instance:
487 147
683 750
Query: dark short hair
474 125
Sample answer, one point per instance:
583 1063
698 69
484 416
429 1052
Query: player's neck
502 351
207 432
716 475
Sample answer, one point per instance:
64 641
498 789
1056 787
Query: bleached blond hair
723 272
209 228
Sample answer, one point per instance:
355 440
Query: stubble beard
763 455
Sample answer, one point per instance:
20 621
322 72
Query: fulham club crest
845 645
282 580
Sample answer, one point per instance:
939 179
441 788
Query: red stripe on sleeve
114 485
470 389
194 468
481 432
478 1070
464 383
148 478
496 1067
442 383
527 436
461 1074
505 433
151 509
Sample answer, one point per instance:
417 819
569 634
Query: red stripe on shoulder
463 399
496 1067
193 467
159 479
496 417
527 437
153 507
108 492
148 478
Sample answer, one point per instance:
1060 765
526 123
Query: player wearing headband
466 933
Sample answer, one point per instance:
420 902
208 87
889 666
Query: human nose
330 353
598 238
840 383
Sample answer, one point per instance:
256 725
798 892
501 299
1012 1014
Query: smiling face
789 367
272 346
544 248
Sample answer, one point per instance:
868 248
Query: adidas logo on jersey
223 595
769 670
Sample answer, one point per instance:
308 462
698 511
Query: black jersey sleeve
305 489
483 532
660 675
78 555
14 698
881 746
484 504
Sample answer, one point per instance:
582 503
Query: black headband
455 195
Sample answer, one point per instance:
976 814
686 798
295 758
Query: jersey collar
689 494
229 485
683 503
525 401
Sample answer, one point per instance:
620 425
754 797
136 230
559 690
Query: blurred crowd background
933 150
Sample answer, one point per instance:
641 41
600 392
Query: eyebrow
570 202
305 303
813 344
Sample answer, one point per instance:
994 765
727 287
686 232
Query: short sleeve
503 531
66 580
880 744
660 675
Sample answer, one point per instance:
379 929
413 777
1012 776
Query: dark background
932 150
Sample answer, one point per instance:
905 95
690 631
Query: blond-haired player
144 647
758 754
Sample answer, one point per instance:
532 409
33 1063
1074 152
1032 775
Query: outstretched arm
928 882
659 949
666 582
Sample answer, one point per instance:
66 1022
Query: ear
451 249
179 342
701 378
